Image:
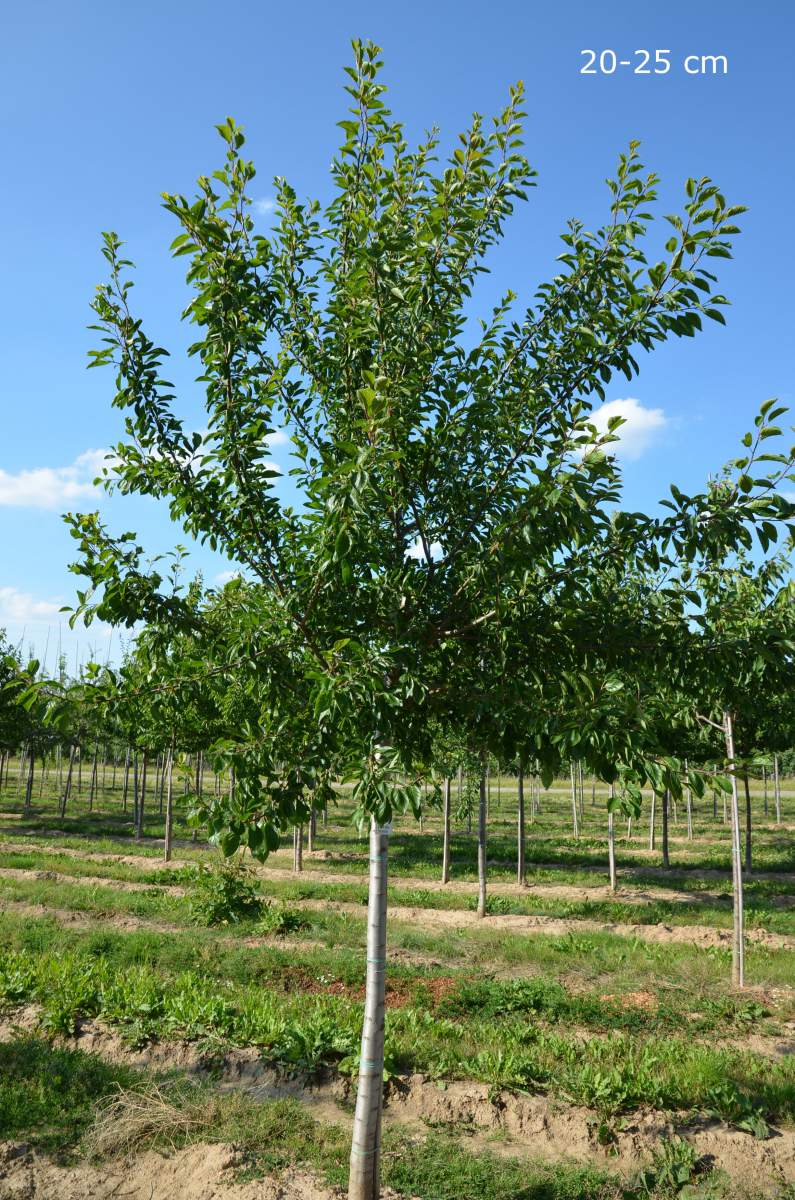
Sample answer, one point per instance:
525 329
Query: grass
507 1035
71 1105
47 1094
539 1013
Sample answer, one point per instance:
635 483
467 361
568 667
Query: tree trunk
482 842
199 787
521 873
298 848
163 768
364 1180
135 789
139 824
581 779
29 785
665 801
21 770
92 787
747 787
764 784
738 946
68 785
446 832
169 770
652 815
611 842
777 789
574 817
126 785
310 841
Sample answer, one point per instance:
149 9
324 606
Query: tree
444 479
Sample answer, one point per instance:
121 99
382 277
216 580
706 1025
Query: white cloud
264 205
641 428
21 608
279 437
416 550
52 487
226 577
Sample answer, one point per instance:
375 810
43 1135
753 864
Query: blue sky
105 106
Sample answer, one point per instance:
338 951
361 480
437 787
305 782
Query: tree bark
364 1180
298 848
747 787
665 800
199 787
738 941
777 789
574 817
169 771
481 911
29 783
163 768
139 824
446 832
764 784
126 784
611 843
521 872
21 771
135 789
652 815
92 787
68 785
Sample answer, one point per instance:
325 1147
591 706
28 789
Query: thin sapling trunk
446 832
364 1179
481 911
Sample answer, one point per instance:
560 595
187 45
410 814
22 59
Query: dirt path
205 1171
456 919
317 874
534 1127
435 918
128 923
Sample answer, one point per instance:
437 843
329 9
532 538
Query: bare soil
200 1172
431 918
536 1127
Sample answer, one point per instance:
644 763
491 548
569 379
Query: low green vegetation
509 1035
48 1093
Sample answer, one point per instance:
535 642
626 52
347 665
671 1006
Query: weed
47 1094
223 893
674 1164
281 919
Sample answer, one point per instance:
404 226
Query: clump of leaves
675 1163
497 906
47 1093
280 919
726 1101
224 893
491 998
